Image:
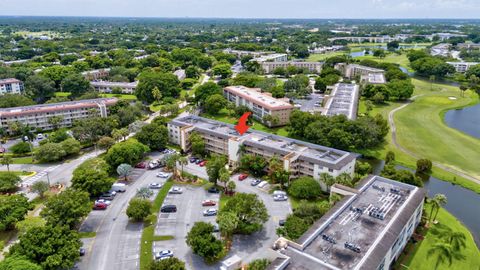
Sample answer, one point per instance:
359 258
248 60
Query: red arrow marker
242 127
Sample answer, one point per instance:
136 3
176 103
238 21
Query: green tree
228 223
39 88
253 163
71 146
344 179
138 209
250 211
9 181
167 264
55 121
105 142
6 161
206 90
18 263
157 95
124 170
57 74
424 166
224 176
456 239
153 135
305 187
20 148
130 152
443 253
259 264
203 242
168 84
66 208
214 165
50 247
400 89
215 103
182 161
13 209
390 157
231 186
40 187
438 201
294 227
15 100
144 193
92 176
223 70
197 144
50 152
76 85
327 179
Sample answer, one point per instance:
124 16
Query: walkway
414 155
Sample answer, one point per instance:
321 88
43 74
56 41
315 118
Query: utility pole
48 180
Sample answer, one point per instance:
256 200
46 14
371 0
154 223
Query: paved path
416 156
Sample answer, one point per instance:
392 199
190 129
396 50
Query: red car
100 206
209 203
202 163
141 165
242 176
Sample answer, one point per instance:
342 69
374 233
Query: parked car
213 190
39 136
279 198
192 159
280 192
163 254
169 208
141 165
198 161
163 175
281 222
82 251
106 196
210 212
262 184
155 186
216 227
242 176
203 163
176 190
100 206
113 192
209 203
255 182
153 165
119 187
107 202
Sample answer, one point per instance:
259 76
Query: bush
50 152
294 227
9 181
424 165
71 146
259 264
203 242
167 264
138 209
305 188
130 152
20 148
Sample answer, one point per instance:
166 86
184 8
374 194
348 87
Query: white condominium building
462 66
108 87
37 116
313 67
11 86
97 74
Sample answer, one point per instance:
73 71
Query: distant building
343 100
240 53
462 66
299 158
107 87
468 45
276 57
313 67
37 116
96 75
442 49
367 229
261 104
373 78
11 86
180 73
353 70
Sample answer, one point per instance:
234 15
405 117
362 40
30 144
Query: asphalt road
117 242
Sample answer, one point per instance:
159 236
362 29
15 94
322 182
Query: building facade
11 86
366 230
312 67
96 75
37 116
275 57
261 104
353 70
462 67
343 100
108 87
298 157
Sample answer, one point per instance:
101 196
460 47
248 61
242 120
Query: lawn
18 173
417 125
223 116
419 258
400 59
62 94
22 160
120 96
315 57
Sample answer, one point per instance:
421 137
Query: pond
461 202
466 120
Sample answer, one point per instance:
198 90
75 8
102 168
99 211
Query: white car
163 175
175 190
262 184
155 186
39 136
279 192
280 198
164 254
107 202
210 212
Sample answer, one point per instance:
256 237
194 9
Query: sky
317 9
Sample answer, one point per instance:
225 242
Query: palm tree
241 150
437 201
443 252
334 198
182 161
224 177
344 179
231 186
6 161
144 193
124 170
327 179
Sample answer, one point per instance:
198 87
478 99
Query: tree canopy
67 208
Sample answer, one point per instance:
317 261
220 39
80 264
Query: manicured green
120 96
87 234
148 236
18 173
314 57
23 160
400 59
419 260
62 94
162 237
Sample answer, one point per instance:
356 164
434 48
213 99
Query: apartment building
353 70
261 104
11 86
373 78
367 229
468 46
275 57
299 158
37 116
240 53
107 87
312 67
96 75
343 100
462 66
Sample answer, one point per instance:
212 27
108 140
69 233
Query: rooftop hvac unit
395 190
378 188
329 239
352 247
356 209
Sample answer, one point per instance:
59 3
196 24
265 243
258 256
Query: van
169 208
262 184
119 187
279 192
